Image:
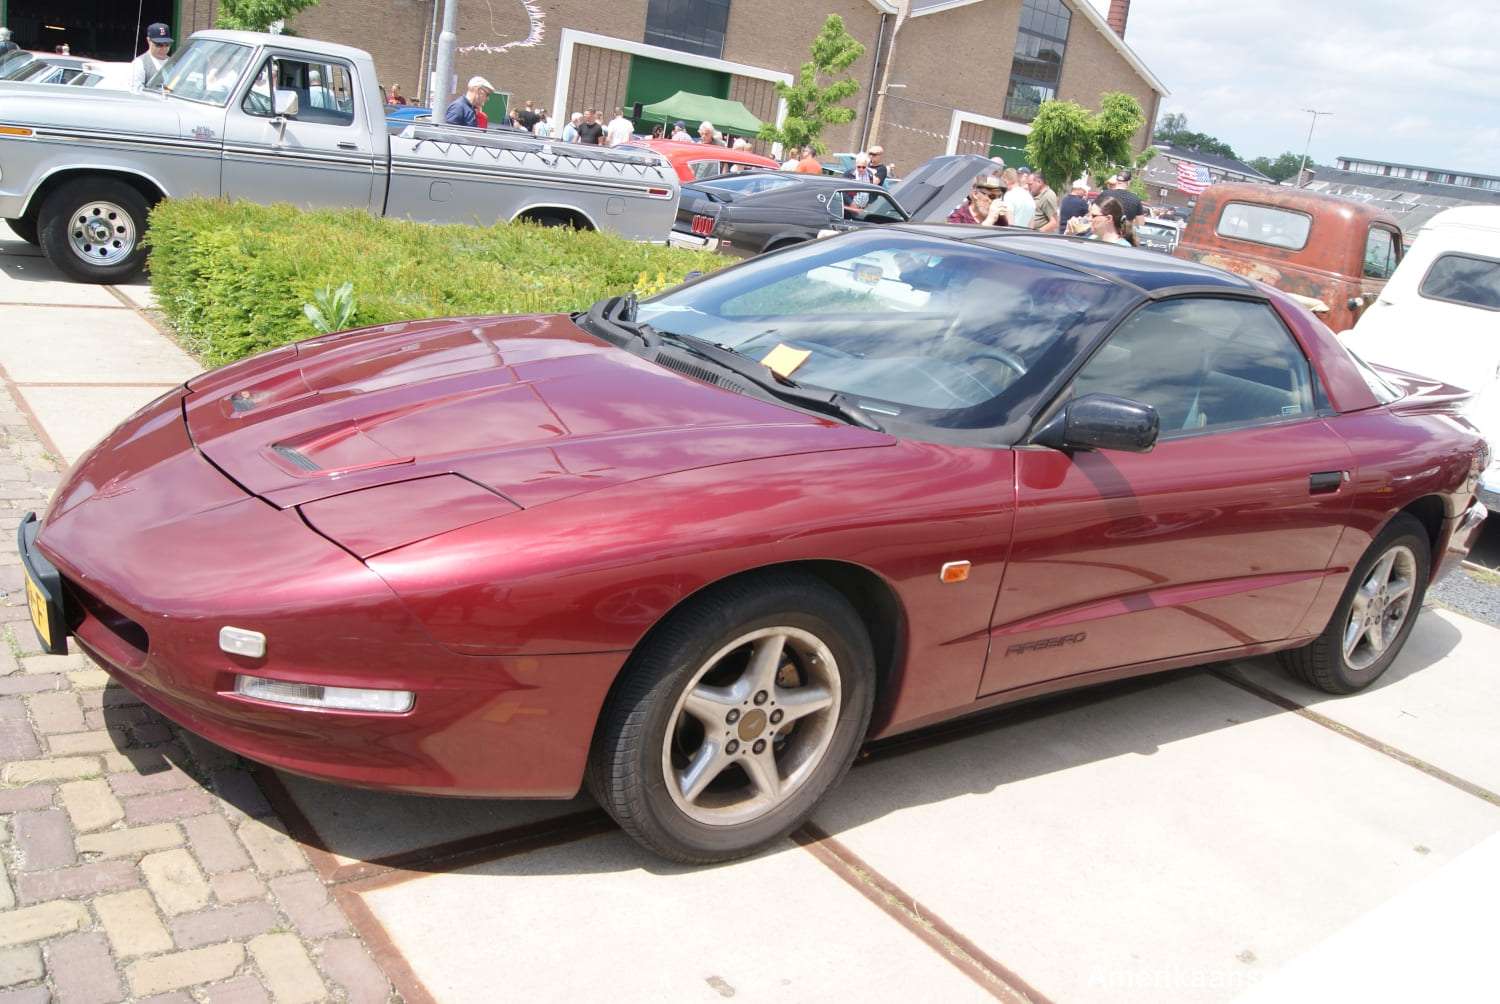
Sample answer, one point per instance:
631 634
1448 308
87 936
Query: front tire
1375 615
91 229
734 719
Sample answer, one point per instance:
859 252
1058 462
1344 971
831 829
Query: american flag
1192 178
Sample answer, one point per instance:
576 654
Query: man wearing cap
158 45
463 109
984 204
6 45
1119 188
1075 203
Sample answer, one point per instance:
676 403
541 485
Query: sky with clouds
1407 83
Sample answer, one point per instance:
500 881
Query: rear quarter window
1467 280
1269 225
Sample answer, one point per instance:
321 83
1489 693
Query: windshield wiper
828 402
617 314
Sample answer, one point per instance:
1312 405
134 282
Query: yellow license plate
37 601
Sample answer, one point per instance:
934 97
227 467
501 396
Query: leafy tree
810 106
1281 168
257 15
1066 141
1172 128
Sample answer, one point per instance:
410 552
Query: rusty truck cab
1323 247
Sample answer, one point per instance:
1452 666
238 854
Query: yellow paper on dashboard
783 360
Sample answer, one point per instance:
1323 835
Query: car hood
937 186
529 407
54 109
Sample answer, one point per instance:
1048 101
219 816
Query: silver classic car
276 118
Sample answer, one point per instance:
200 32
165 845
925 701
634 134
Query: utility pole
444 72
1301 167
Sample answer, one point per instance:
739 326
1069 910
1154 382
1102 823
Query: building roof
1411 202
1212 161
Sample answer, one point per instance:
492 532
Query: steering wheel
257 103
1005 357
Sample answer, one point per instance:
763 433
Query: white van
1439 316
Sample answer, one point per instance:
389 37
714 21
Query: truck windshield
203 70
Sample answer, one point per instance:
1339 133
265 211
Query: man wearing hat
158 45
6 45
1119 187
463 110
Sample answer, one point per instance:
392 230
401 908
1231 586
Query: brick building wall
955 61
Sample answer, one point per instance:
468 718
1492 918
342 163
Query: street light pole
1301 167
443 75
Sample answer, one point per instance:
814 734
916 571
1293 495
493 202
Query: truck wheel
91 229
23 227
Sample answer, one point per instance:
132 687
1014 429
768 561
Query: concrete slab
600 919
78 416
27 277
1176 844
87 345
1437 703
358 825
1386 956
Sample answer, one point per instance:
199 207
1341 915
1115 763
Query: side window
1381 254
1465 279
1203 364
324 90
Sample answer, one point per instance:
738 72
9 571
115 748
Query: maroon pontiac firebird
693 551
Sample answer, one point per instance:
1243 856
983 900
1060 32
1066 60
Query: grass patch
232 277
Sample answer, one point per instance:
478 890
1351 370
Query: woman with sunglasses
1107 222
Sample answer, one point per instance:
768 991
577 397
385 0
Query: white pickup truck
276 118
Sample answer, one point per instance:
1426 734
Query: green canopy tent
727 116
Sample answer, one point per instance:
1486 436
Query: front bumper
512 726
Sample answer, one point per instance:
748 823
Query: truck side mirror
286 102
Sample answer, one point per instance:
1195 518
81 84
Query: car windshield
933 333
203 70
19 65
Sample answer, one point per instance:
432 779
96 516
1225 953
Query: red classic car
703 160
694 551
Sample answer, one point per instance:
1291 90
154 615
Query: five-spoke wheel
735 717
1374 616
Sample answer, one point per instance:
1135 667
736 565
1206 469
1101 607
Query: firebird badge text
1021 648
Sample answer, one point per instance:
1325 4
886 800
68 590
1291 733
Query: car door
1214 541
321 155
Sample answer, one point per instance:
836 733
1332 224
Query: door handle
1326 482
345 144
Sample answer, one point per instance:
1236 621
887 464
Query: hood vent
295 458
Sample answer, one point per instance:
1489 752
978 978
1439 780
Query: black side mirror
1101 422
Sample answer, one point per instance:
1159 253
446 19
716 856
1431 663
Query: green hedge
231 278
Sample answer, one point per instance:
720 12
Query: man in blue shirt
462 110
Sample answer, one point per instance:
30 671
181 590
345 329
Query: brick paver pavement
140 861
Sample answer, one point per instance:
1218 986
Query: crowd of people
1021 197
1006 197
588 126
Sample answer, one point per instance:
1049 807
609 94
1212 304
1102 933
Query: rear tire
734 718
92 229
1374 616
